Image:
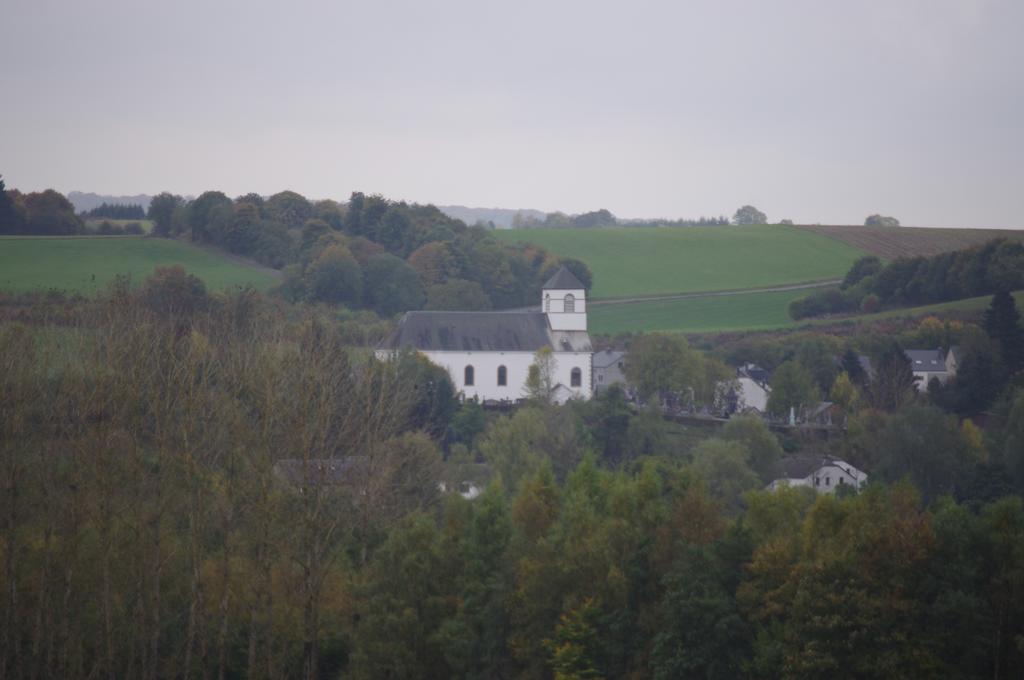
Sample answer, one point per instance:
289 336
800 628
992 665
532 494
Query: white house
824 474
488 354
931 363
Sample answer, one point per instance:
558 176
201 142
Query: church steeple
563 299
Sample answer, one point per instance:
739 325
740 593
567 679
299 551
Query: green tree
391 286
403 600
576 646
457 295
50 213
762 447
793 387
926 445
662 362
869 265
474 638
161 212
335 277
748 214
844 393
877 220
289 208
701 632
202 215
433 401
723 465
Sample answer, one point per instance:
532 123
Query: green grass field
751 311
627 262
87 264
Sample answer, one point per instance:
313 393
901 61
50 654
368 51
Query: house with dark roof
932 363
488 354
824 474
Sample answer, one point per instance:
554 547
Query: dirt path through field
690 296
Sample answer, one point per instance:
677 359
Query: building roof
482 332
931 360
563 280
802 467
754 372
608 357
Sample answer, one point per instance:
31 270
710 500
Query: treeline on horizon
116 211
597 219
870 285
171 508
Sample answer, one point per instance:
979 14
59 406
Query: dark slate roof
563 280
607 357
931 360
471 332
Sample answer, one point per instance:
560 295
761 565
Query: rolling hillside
87 264
650 261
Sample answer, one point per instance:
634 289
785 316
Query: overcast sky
813 110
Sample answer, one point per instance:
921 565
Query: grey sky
815 110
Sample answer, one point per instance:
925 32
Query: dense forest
367 253
871 285
223 486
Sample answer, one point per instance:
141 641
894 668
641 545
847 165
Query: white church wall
517 364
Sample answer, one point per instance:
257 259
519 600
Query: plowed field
893 242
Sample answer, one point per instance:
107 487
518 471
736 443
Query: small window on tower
570 302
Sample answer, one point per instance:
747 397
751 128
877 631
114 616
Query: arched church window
468 377
570 302
576 378
547 303
502 376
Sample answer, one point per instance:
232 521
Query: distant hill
502 217
84 202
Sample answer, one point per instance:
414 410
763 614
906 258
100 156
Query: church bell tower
563 299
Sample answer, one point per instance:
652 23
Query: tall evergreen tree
1002 323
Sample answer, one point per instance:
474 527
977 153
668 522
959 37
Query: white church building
488 354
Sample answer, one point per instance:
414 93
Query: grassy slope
86 264
756 311
762 311
628 262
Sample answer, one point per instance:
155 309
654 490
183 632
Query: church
488 354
